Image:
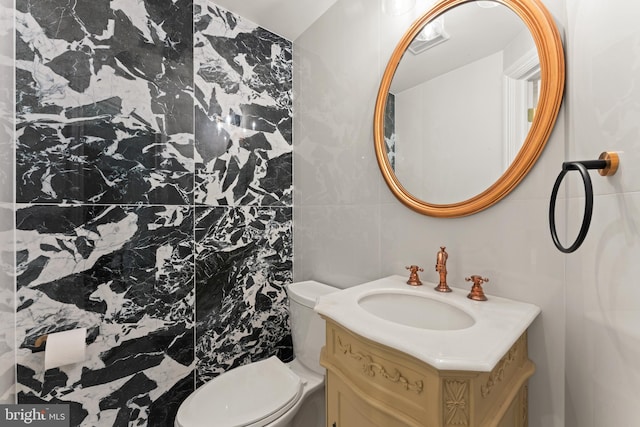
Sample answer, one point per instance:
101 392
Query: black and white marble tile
243 113
114 163
390 129
124 273
104 101
243 261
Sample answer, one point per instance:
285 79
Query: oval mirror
467 103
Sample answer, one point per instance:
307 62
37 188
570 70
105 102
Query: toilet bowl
269 393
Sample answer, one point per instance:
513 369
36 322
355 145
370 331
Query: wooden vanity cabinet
369 384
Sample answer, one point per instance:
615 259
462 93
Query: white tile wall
348 228
602 292
585 343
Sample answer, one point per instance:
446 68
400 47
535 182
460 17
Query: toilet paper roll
65 348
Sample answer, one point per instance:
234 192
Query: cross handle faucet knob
414 280
477 293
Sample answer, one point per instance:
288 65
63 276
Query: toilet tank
307 327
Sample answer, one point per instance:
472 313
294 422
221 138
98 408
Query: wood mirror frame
552 72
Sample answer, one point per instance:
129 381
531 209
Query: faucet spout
441 268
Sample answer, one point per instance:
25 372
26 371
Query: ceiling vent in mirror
431 35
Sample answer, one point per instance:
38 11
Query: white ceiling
474 33
287 18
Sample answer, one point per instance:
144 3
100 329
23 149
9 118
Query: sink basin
445 330
415 310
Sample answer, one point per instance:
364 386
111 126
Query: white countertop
499 322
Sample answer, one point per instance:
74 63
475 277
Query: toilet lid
250 395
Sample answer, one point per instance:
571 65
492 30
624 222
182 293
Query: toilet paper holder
62 348
41 340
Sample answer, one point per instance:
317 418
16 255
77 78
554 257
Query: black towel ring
607 164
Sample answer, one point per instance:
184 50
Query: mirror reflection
461 102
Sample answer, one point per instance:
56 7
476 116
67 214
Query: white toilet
270 392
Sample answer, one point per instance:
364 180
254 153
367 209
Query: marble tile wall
390 129
153 171
243 175
104 102
243 111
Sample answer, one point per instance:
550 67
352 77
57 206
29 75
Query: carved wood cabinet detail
369 384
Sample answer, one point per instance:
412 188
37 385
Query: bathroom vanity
462 363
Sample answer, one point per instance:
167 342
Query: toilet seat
252 395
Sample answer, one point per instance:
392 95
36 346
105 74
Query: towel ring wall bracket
612 161
607 165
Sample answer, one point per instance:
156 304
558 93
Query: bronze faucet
441 267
